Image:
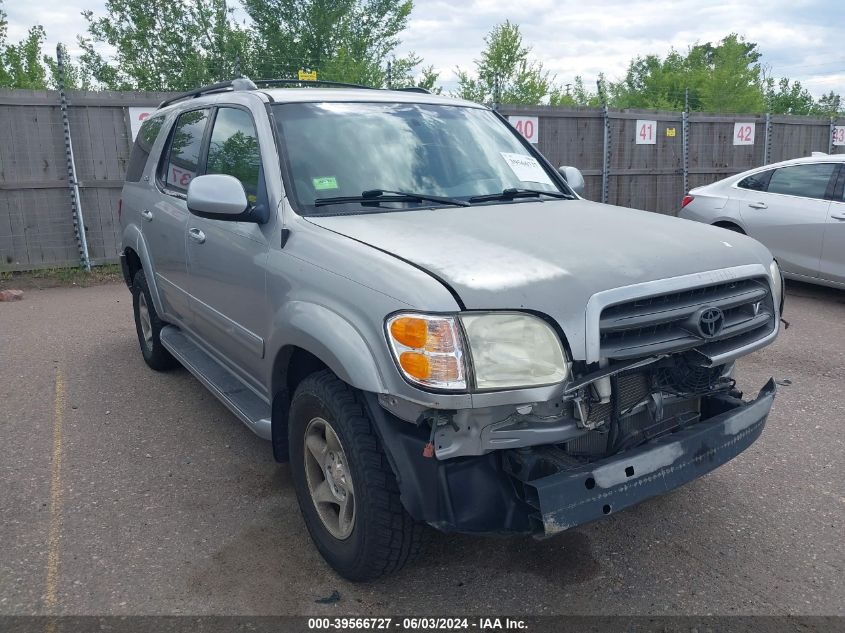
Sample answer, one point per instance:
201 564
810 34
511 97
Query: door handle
147 215
758 205
196 235
838 216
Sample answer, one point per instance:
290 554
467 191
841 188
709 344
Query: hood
547 256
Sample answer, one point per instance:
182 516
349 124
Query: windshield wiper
383 195
511 193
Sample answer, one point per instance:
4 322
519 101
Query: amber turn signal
410 331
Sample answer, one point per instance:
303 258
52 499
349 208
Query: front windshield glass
338 149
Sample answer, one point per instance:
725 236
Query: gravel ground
124 491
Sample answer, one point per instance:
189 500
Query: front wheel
345 487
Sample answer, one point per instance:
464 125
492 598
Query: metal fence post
830 135
767 147
72 183
685 140
605 162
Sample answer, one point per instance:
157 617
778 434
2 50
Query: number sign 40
528 126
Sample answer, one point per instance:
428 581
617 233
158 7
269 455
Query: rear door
833 252
226 260
165 219
786 209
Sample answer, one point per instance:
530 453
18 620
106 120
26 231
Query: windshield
343 150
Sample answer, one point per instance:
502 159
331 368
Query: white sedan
796 208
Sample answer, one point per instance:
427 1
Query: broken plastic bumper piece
576 496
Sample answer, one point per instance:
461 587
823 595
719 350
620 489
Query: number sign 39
646 133
744 134
527 126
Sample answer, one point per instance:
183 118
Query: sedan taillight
687 199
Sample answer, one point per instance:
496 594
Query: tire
148 326
380 537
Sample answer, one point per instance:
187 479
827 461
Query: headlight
428 350
511 350
777 284
508 350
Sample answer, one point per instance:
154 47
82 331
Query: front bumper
573 497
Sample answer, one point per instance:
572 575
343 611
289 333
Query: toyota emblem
710 322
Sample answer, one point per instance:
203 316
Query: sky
800 39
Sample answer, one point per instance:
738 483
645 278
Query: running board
238 398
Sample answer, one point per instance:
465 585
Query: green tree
343 40
578 96
721 77
162 44
20 63
505 72
785 97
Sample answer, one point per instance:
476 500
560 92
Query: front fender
331 338
134 239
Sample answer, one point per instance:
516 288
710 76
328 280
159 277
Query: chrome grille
665 323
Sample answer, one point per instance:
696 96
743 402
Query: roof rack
242 83
307 82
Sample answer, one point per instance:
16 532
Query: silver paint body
245 299
806 235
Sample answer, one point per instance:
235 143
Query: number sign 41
744 133
646 133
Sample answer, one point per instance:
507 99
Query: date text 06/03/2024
416 624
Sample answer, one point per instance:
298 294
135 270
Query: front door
790 215
226 260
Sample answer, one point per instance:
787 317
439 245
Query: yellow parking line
52 594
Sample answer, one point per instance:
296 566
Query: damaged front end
653 406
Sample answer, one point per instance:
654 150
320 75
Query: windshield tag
526 168
327 182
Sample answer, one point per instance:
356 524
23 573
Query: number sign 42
744 133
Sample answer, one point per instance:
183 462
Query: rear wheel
345 487
148 325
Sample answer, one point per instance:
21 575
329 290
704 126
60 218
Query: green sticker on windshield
328 182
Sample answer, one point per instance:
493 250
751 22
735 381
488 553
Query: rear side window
233 149
808 181
143 146
756 182
183 154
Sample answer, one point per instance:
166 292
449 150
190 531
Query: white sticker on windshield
526 168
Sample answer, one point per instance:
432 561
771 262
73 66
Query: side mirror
217 196
573 177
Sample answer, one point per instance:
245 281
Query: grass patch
60 277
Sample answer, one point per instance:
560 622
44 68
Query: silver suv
428 321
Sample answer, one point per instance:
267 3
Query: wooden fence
36 217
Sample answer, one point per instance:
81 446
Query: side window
183 155
233 149
809 181
756 182
143 145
